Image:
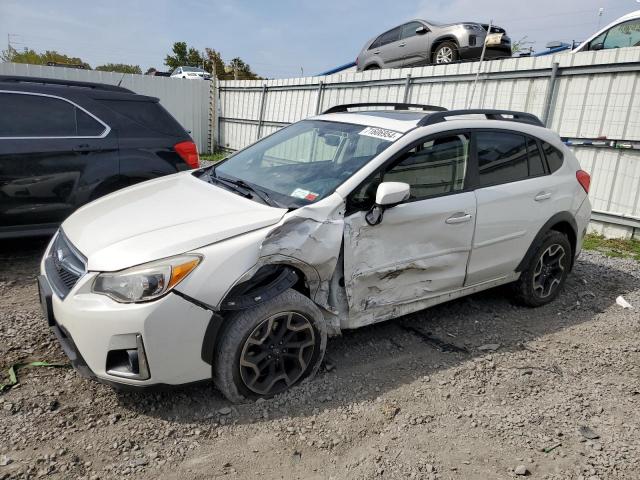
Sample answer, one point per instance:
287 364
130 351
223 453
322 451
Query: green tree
211 61
183 56
241 70
34 58
119 68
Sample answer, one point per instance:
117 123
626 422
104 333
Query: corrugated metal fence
187 100
582 96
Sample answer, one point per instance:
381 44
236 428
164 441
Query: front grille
64 266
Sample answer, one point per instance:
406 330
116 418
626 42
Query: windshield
306 161
192 69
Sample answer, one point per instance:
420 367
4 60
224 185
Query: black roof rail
62 82
506 115
396 106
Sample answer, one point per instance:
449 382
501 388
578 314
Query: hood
161 218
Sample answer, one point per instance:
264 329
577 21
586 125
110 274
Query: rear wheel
267 349
544 277
446 52
372 67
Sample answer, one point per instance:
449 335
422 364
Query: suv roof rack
68 83
506 115
396 106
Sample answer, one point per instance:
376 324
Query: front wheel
544 277
267 349
446 52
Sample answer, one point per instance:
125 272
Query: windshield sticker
305 194
381 133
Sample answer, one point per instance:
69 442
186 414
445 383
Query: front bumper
90 326
474 53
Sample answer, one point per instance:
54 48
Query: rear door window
390 36
536 164
502 157
38 116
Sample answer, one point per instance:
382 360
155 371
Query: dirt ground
474 389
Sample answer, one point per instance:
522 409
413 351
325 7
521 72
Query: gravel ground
476 388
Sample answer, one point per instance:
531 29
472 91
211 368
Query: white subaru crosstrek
239 272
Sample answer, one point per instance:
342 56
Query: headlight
146 282
470 26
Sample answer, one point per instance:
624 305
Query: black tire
446 52
372 67
543 279
241 333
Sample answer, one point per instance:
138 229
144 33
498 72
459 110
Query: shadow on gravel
362 364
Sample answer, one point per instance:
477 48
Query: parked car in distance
66 143
239 271
623 32
424 42
191 73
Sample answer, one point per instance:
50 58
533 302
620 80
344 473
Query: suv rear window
36 116
150 115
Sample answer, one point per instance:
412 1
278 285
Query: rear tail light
584 179
188 152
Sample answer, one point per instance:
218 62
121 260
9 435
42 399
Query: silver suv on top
422 42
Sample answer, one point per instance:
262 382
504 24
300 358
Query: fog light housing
129 363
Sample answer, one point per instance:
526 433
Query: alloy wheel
444 55
549 271
277 353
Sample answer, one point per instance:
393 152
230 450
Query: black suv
65 143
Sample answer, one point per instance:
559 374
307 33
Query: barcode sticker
381 133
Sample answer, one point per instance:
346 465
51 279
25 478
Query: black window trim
396 157
399 27
105 132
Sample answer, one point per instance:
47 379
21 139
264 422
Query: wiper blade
262 195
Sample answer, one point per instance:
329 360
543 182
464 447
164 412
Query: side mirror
421 30
597 46
388 195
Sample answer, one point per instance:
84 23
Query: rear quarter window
150 115
554 157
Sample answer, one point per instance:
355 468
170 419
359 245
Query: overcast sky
276 37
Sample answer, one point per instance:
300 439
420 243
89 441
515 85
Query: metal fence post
213 117
319 96
407 87
550 97
263 99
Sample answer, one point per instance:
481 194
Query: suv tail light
188 152
584 179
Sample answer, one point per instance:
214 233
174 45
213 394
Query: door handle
458 218
376 52
83 148
542 196
402 45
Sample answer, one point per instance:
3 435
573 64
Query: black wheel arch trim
558 218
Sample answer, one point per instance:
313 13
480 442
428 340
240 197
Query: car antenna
121 79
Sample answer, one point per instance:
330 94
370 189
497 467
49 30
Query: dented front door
419 250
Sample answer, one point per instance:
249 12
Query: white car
191 73
239 272
623 32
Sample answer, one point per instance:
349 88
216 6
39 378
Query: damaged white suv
238 272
